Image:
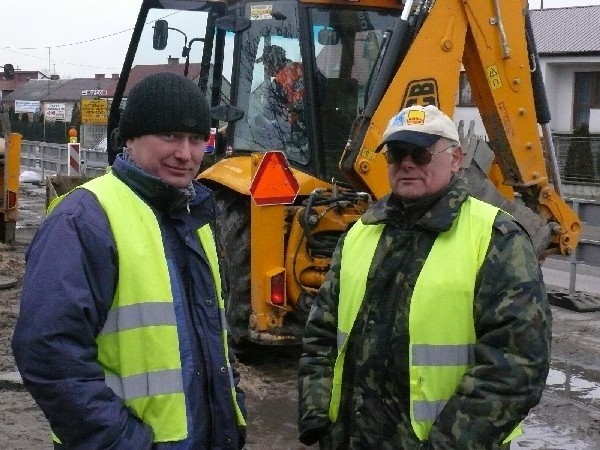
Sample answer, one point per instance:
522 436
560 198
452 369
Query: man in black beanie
121 338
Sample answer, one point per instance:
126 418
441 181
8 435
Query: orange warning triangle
274 182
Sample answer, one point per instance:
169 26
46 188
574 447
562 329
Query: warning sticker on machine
493 75
261 12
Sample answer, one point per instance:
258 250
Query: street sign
94 93
94 111
274 182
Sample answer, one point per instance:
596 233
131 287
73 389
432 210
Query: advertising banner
27 106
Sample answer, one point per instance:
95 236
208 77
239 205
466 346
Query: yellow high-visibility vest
138 346
441 323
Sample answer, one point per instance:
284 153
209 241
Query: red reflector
278 289
11 199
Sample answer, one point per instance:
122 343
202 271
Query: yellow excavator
301 92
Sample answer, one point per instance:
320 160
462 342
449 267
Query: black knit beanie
165 103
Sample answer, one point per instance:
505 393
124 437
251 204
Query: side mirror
9 71
161 34
327 36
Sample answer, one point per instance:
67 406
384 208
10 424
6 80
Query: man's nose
184 149
407 162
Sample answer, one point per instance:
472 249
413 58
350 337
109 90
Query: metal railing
588 250
50 159
578 159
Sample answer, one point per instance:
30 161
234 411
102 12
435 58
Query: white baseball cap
419 125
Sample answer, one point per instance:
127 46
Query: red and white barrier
74 162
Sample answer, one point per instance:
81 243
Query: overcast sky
79 38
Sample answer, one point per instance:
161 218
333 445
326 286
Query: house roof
34 90
59 90
10 85
71 91
141 71
573 30
21 77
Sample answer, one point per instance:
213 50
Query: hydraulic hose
542 108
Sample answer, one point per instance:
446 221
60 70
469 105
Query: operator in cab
121 337
432 329
287 75
277 105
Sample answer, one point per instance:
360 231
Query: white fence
49 159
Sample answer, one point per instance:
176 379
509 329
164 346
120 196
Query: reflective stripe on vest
139 346
441 344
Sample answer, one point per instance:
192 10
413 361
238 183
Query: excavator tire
233 243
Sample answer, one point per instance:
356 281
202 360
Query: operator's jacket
71 279
511 320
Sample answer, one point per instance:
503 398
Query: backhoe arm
488 38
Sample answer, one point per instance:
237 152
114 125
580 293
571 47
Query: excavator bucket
477 163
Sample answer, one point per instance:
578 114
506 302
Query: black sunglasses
421 156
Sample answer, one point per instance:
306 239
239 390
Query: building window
465 97
585 97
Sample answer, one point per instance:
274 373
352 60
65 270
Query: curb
11 381
7 282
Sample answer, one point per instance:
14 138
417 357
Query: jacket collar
155 191
436 213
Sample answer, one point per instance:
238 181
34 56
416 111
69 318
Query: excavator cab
301 76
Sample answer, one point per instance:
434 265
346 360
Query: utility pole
49 61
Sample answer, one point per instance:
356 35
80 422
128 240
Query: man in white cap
432 329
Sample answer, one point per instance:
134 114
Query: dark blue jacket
70 278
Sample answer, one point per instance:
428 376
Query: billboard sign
54 111
27 106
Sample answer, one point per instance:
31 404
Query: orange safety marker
274 182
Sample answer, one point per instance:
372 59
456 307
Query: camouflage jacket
512 352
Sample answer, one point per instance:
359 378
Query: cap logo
415 117
398 120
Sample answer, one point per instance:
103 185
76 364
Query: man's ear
457 157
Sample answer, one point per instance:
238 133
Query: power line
87 40
70 44
54 60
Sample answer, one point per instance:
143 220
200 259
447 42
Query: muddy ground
568 416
